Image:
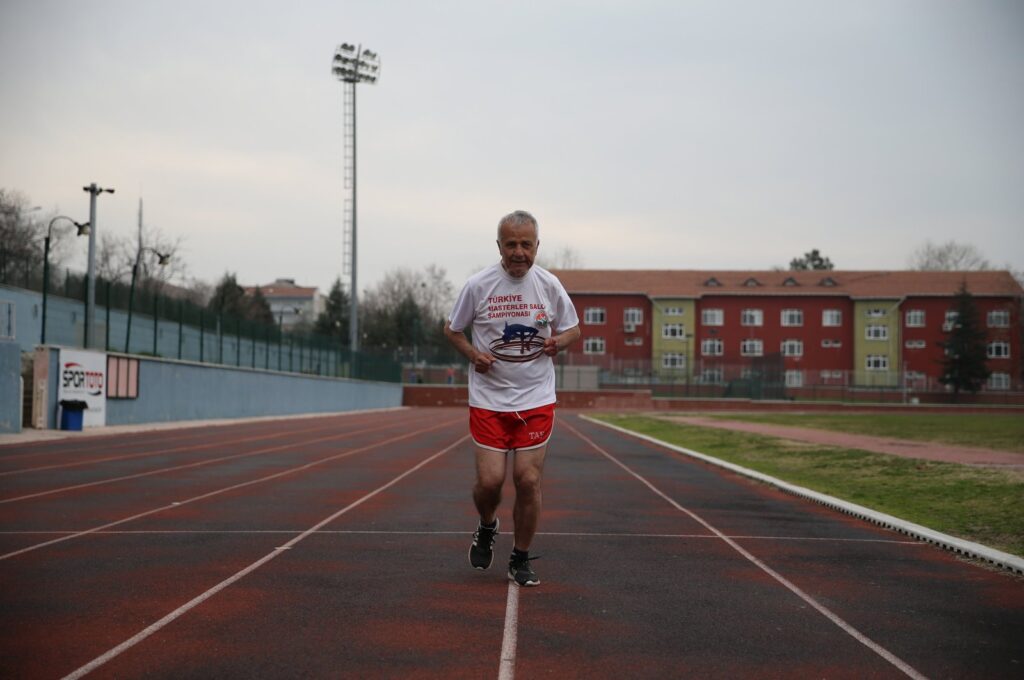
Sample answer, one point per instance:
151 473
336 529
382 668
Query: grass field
985 505
991 431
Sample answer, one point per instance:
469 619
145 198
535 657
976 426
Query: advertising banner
83 377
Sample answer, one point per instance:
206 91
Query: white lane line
159 452
201 463
822 609
217 492
156 532
196 601
507 667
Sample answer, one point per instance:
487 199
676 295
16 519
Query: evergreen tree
334 320
259 309
964 365
228 297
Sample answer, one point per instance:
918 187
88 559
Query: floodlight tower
351 65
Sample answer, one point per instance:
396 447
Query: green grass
991 431
985 505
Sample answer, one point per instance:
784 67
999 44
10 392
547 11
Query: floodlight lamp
369 54
162 259
83 228
346 47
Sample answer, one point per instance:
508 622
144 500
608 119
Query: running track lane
631 583
105 587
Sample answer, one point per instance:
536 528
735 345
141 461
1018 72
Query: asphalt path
336 547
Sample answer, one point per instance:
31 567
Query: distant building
292 305
805 328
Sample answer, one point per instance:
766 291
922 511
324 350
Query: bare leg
490 476
527 471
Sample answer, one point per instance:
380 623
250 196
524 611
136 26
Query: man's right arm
481 360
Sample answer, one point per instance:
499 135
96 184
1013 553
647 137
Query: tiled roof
691 283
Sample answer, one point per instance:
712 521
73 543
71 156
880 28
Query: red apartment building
870 328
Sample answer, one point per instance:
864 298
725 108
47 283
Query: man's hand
556 343
482 362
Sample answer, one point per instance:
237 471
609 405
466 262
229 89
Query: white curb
957 545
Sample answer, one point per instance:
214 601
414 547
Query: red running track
336 547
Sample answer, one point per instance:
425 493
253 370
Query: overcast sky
641 134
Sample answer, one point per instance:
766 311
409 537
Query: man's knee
527 481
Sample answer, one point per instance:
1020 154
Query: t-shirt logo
541 319
518 343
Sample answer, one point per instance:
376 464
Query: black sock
492 525
518 554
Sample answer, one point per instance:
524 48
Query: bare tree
948 256
115 257
565 257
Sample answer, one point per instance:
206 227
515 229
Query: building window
593 316
831 343
999 381
951 317
875 313
876 362
998 350
915 344
831 317
792 348
828 282
633 316
752 283
712 376
712 317
752 317
712 282
752 348
915 318
790 282
593 346
636 341
673 360
712 347
673 331
874 331
673 311
792 317
794 378
999 318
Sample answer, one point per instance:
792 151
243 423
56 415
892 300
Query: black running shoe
480 553
520 571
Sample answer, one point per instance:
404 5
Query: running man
519 317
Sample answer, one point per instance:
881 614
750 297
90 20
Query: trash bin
71 414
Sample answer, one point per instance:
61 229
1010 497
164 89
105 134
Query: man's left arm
556 343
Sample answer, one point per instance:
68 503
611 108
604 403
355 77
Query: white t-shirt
510 318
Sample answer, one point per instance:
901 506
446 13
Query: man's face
518 248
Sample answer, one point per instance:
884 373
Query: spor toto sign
76 376
83 377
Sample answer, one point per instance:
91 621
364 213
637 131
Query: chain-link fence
171 327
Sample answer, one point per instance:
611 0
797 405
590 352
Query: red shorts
515 430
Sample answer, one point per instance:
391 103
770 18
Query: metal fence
169 327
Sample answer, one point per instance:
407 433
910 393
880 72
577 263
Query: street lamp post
162 260
90 298
83 229
351 65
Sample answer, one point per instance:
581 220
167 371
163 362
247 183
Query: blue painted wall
10 387
171 390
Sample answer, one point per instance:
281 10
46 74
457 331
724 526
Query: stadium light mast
352 65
